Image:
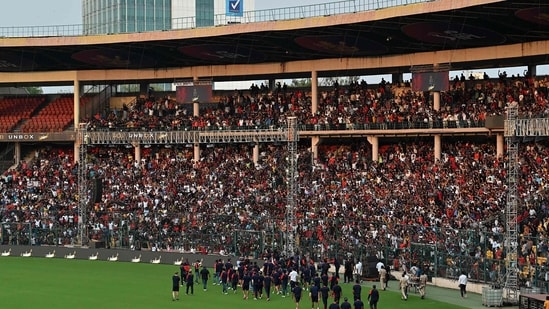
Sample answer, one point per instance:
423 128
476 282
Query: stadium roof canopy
442 25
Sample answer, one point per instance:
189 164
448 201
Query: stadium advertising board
194 93
40 136
235 7
431 81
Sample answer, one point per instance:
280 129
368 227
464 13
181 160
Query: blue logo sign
234 7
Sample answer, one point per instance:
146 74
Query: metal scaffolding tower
82 185
515 129
510 288
291 173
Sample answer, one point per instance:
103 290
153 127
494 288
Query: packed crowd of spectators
346 203
354 106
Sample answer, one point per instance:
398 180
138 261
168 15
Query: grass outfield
60 283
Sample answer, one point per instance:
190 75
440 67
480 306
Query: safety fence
439 252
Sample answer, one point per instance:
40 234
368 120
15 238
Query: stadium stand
396 207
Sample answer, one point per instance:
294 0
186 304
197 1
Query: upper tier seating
13 110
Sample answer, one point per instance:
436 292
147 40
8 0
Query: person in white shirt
357 271
379 265
462 281
414 271
293 279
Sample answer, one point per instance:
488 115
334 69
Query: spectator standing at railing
462 281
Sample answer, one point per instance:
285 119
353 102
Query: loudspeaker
494 122
372 259
371 272
97 190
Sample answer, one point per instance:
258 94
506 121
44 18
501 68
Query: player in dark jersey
277 280
267 282
296 292
313 293
324 278
175 286
306 277
357 290
336 291
246 280
345 304
224 277
284 283
234 280
316 280
325 292
359 304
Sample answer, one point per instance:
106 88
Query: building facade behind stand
127 16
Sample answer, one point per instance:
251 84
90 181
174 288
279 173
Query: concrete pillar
196 109
314 92
256 153
532 70
17 152
143 88
137 152
436 100
396 78
76 147
500 145
315 140
196 152
438 146
436 94
374 141
76 97
196 104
